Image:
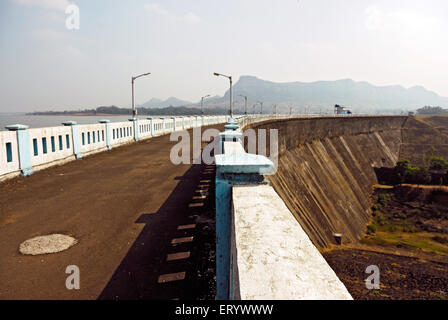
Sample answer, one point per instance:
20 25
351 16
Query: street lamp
253 108
134 111
261 103
245 105
202 103
231 98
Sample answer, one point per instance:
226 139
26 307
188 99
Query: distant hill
170 102
360 96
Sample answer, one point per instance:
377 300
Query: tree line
436 172
432 110
141 111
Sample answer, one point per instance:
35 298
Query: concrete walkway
144 226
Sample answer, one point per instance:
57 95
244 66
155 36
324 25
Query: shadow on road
174 255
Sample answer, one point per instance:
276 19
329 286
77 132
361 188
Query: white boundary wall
56 145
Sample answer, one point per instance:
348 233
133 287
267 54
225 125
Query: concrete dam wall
326 170
423 137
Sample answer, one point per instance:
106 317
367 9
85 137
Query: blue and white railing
24 150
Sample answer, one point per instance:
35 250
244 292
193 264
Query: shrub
440 239
409 229
417 175
383 198
392 228
371 229
381 219
400 170
405 173
438 163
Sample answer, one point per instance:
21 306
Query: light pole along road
231 98
245 103
261 103
134 111
253 108
202 103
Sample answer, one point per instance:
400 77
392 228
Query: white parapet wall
272 257
45 147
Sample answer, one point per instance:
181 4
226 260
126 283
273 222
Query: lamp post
231 98
253 107
202 103
134 111
245 103
261 103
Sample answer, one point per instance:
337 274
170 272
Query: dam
141 214
325 173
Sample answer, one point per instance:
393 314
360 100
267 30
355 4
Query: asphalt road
135 215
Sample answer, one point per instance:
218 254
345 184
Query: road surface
145 227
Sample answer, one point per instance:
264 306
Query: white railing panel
93 137
121 132
8 145
50 144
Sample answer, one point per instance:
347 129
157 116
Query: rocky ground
407 239
401 278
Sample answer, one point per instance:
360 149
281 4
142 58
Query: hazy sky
43 65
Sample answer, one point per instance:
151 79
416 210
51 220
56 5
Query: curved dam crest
326 170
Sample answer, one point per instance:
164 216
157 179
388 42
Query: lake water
53 121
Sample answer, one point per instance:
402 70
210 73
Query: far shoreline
79 114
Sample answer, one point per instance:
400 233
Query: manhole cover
47 244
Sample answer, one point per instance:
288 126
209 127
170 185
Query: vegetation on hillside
411 218
434 172
432 110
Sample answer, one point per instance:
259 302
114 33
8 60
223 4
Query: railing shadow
173 257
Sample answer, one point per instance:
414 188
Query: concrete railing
24 150
262 252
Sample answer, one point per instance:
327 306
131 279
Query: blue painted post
223 222
24 147
75 137
136 128
108 134
232 169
